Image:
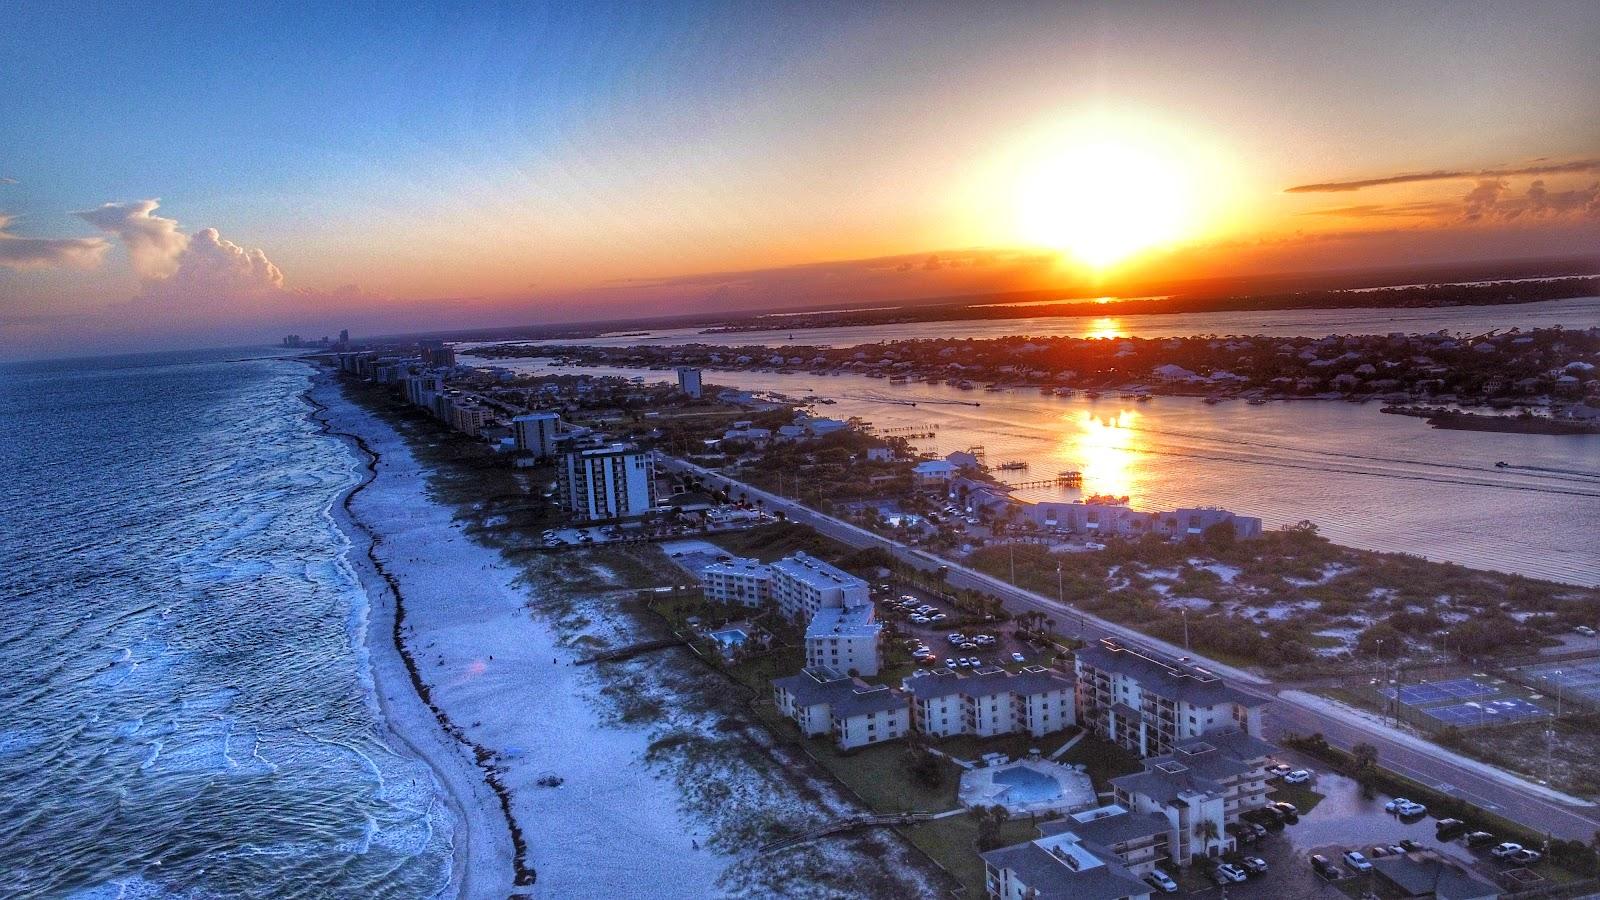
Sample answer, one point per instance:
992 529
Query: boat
965 385
1211 401
1257 401
1065 392
897 379
1143 398
1092 395
994 388
1015 465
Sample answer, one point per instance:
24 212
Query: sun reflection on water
1105 327
1104 447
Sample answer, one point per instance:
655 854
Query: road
1505 796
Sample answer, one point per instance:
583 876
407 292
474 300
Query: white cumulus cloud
154 242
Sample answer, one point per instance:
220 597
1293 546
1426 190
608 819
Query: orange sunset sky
190 177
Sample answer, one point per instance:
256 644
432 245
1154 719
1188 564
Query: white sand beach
613 827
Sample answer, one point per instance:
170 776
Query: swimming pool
730 638
1024 785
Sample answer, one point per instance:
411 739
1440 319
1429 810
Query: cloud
4 180
1565 168
22 253
208 265
154 242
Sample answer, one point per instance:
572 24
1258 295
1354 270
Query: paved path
1506 794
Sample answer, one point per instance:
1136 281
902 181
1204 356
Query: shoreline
539 738
472 863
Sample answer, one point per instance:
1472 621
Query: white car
1501 851
1298 776
1400 806
1356 861
1279 770
1162 882
1231 872
1018 657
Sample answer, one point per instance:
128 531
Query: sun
1102 197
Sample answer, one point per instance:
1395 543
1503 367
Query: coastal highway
1496 791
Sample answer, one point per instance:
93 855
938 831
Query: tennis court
1440 691
1487 712
1577 682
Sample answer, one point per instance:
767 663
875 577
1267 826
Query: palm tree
1207 830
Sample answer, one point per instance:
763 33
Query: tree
1363 759
1207 830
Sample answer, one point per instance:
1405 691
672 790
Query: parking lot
987 644
1345 819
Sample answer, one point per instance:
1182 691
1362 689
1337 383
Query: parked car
1243 833
1324 866
1298 776
1378 851
1409 846
1525 857
1449 828
1504 849
1585 630
1279 770
1290 812
949 664
1255 864
1404 808
1162 882
1256 829
1479 839
1228 873
1018 657
1357 861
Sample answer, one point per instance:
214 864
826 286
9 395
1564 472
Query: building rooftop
835 621
1108 825
844 696
1060 867
739 565
1426 874
1032 680
1164 675
814 572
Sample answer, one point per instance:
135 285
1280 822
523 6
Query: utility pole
1185 613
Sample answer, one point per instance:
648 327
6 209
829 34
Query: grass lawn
953 843
1303 798
1103 760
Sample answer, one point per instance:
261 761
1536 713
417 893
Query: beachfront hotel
1148 703
1035 701
614 482
845 639
823 701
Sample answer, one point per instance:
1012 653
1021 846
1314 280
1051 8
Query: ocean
186 707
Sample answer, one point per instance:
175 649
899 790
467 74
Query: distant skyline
188 175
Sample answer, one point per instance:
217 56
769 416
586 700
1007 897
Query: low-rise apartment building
803 584
1148 702
1212 780
1036 701
740 580
1063 865
823 701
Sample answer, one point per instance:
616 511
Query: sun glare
1103 188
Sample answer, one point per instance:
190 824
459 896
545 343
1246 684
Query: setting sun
1105 198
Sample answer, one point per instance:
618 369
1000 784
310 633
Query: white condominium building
1148 703
1036 700
845 639
803 584
536 432
612 482
740 580
822 701
689 381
